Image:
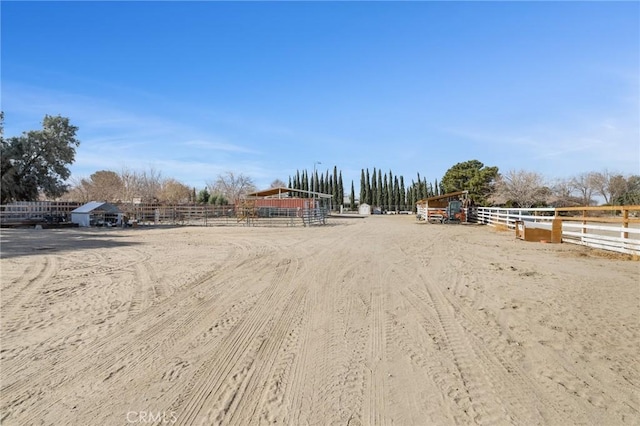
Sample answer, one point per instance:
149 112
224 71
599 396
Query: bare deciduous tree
521 187
150 184
78 191
610 186
584 185
232 186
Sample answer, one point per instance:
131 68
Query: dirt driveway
363 322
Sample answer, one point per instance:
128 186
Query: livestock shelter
435 209
281 202
97 213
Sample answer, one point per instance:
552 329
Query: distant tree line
35 164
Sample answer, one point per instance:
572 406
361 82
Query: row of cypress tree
384 191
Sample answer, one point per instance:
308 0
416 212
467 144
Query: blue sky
193 89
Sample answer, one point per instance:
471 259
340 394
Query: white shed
97 213
364 209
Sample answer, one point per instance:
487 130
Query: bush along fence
614 228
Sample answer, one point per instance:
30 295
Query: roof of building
96 205
282 190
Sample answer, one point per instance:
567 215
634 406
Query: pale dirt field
377 321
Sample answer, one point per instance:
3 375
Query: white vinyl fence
614 228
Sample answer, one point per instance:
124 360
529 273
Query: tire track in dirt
282 385
111 353
274 356
154 323
247 335
375 406
13 310
498 353
429 373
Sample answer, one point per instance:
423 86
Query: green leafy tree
470 176
38 160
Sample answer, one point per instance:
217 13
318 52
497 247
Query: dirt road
363 322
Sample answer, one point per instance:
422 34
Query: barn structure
97 213
312 207
447 207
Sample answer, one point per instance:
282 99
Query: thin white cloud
218 146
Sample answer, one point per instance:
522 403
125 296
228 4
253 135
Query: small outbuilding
97 213
364 209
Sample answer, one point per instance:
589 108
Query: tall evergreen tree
369 197
396 194
390 194
327 183
340 187
403 195
363 188
379 198
352 199
385 192
334 189
374 188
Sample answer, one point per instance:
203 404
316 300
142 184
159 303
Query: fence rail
157 214
614 228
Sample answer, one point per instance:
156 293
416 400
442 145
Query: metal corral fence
37 211
33 212
614 228
206 215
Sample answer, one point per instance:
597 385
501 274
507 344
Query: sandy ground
363 322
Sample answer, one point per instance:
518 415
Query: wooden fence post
556 230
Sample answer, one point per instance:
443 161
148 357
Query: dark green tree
374 188
203 196
369 197
386 192
363 188
352 198
340 187
470 176
38 160
396 194
379 199
390 197
403 195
